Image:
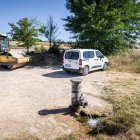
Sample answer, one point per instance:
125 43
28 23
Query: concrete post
76 94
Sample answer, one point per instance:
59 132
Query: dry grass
125 122
46 45
70 137
24 136
126 61
38 45
41 49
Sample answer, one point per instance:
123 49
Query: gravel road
34 101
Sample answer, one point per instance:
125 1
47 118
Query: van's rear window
72 55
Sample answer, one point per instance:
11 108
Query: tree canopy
25 30
103 24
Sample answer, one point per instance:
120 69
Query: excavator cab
4 44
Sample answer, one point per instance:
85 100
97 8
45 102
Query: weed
82 119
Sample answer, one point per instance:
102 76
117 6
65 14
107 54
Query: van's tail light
80 62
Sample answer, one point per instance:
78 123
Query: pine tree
103 24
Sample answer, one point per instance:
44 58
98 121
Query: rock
97 107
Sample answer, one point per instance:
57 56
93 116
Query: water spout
77 99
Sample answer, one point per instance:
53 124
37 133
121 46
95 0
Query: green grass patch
82 119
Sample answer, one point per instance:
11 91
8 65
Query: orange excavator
7 60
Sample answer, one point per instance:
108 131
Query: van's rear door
71 60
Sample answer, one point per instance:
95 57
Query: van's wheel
67 71
105 66
85 70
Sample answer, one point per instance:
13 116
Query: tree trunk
27 49
50 42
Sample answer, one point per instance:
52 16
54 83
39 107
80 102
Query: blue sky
13 10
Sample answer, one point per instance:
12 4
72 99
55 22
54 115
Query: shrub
45 59
40 49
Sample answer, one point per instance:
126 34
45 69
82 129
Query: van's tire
105 66
67 71
85 71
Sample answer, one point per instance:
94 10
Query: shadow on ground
8 70
44 67
61 74
4 69
63 111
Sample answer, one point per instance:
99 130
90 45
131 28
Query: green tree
25 30
50 31
103 24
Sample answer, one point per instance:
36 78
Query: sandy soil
34 101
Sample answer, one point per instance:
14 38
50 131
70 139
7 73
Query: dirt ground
34 101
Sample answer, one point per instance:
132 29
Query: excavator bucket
11 62
20 62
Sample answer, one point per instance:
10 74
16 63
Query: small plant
82 119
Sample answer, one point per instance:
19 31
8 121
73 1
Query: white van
84 60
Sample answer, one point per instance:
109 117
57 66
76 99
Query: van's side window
99 54
72 55
88 54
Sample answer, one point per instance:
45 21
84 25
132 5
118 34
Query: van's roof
81 50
